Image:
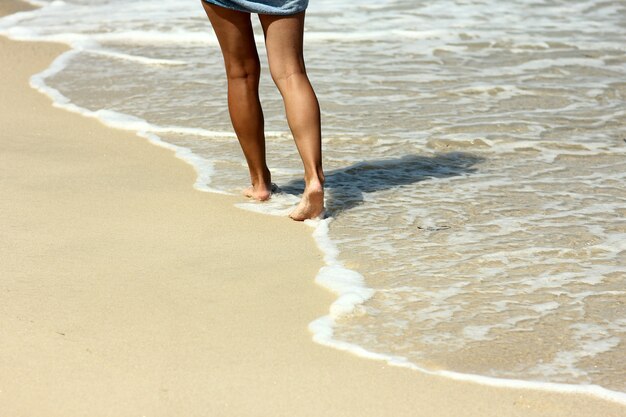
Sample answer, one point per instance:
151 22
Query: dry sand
125 292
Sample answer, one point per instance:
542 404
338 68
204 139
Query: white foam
477 332
38 83
110 117
278 205
127 122
136 58
351 291
323 334
146 37
322 329
37 3
202 166
595 339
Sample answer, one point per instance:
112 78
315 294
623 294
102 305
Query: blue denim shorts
278 7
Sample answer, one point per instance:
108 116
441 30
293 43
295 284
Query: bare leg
236 37
283 39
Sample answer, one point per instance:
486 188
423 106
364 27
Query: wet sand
124 291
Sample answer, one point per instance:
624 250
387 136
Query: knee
247 71
282 74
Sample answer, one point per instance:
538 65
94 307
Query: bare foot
261 192
312 203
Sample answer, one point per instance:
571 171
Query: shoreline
38 240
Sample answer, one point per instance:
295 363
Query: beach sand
125 292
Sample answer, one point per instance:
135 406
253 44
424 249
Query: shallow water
474 154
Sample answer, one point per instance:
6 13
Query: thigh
236 37
283 40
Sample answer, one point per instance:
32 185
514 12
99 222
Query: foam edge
352 293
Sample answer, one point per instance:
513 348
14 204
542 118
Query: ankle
261 179
314 180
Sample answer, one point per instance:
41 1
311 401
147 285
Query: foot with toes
312 203
259 193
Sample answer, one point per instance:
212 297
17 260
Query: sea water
475 159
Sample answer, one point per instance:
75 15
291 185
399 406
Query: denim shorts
278 7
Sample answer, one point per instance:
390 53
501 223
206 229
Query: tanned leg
284 39
236 38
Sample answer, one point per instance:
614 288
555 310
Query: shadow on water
345 187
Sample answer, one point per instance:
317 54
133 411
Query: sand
125 292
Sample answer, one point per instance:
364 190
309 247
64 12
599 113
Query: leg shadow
345 186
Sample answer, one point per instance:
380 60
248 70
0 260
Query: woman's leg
283 39
236 37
